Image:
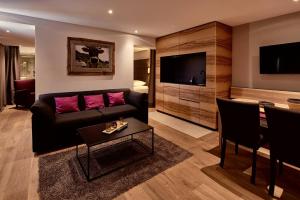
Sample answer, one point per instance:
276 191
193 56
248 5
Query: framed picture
90 57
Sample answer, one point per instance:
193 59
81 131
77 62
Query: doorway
144 72
17 64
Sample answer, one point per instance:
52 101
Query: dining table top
280 105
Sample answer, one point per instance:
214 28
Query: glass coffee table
137 138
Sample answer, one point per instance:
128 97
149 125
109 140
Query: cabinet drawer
189 93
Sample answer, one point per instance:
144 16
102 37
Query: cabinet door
171 98
208 109
189 110
189 93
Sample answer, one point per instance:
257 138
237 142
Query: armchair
24 92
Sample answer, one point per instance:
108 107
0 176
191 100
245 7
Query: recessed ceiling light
295 0
110 11
7 31
136 31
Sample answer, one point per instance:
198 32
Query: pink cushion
94 102
66 104
116 98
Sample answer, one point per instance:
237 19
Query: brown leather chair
24 92
241 125
284 129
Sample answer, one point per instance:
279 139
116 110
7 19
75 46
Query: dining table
263 120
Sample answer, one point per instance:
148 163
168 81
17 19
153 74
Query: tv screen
184 69
280 59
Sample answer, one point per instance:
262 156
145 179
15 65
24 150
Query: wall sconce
148 70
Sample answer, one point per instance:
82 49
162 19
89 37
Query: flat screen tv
280 59
187 69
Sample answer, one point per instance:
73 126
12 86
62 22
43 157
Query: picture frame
90 57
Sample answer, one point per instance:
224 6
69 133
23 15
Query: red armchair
24 92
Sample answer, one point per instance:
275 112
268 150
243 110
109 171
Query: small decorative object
294 104
115 126
265 103
90 57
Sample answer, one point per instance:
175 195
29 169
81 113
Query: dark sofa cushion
79 119
115 112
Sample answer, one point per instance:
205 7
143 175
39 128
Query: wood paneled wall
196 103
274 96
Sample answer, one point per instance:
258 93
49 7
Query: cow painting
90 57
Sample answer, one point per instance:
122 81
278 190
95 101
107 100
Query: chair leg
253 175
223 151
272 174
280 168
236 148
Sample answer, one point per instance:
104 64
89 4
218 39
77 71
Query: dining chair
284 130
240 124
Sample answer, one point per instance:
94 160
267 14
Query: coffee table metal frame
87 171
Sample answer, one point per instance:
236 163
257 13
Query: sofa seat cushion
79 119
115 112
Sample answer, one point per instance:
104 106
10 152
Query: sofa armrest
137 99
140 101
43 111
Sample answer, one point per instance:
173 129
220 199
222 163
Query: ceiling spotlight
136 31
296 0
7 31
110 11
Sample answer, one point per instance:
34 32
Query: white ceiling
20 34
150 17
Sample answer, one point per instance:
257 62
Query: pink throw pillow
66 104
94 102
116 98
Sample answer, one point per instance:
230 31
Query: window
27 63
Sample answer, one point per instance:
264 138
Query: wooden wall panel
196 103
223 60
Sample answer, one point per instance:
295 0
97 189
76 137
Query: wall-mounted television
280 59
187 69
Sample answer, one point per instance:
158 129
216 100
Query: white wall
246 42
51 55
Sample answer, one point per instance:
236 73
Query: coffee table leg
152 130
88 164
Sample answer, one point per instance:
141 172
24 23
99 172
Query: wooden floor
198 177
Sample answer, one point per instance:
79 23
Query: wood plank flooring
198 177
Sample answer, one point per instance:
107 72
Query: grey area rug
60 176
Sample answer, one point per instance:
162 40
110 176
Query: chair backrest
240 121
28 84
284 130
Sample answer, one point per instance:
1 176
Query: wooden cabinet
196 103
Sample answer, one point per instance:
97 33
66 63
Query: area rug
60 176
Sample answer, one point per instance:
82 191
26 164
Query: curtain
2 78
11 71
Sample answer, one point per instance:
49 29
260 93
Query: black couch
51 130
